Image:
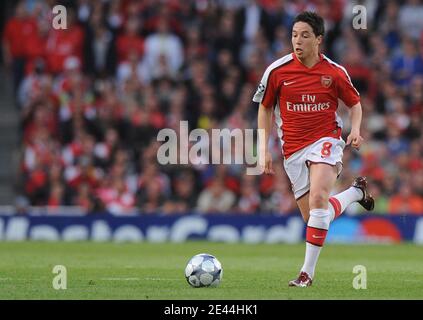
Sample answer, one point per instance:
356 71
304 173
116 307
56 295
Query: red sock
316 236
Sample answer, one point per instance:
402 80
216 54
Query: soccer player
302 90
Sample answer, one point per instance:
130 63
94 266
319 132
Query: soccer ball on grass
203 270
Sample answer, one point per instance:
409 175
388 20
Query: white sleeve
258 96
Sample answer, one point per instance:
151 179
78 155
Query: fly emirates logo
308 104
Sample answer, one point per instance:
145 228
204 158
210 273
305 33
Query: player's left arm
354 138
351 97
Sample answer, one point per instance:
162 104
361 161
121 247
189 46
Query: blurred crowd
94 96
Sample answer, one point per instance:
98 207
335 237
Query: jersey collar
300 63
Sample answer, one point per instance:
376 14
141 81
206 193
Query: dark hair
314 20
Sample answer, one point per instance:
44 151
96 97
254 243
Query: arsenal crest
326 81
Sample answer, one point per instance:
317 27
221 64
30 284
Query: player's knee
318 200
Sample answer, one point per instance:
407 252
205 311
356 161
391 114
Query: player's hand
355 139
268 164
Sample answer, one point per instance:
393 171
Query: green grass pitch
156 271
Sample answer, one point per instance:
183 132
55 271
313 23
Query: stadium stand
92 98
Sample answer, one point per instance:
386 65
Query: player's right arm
265 123
266 97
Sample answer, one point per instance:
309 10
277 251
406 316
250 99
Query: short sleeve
346 90
267 89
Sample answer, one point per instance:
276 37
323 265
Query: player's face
304 41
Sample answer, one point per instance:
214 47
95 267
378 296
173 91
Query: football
203 270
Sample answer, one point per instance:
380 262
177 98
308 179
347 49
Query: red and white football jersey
305 99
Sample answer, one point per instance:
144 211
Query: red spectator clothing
359 71
138 118
125 4
175 9
50 123
36 90
75 176
175 26
106 194
54 202
400 204
84 107
415 164
117 202
421 39
377 173
122 203
63 85
117 111
337 10
266 184
127 44
305 99
62 44
372 168
253 76
71 152
268 4
416 109
16 34
363 73
107 110
67 84
39 152
199 50
35 48
85 203
37 180
157 119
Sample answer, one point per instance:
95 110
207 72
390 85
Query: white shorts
326 150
